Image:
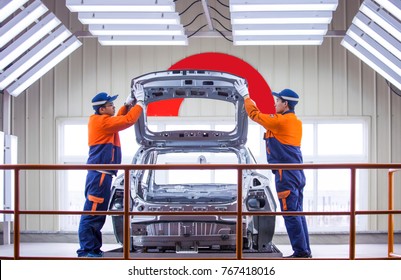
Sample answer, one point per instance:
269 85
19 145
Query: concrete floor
67 250
324 246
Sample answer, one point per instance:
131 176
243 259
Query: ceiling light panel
44 66
121 5
307 17
33 56
21 21
32 41
392 6
129 18
374 37
363 39
278 40
382 18
135 29
375 63
279 29
7 7
128 22
28 39
143 40
281 18
282 5
377 33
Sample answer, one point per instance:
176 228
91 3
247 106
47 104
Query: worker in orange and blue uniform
104 148
283 141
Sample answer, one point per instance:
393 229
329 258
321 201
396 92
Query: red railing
353 167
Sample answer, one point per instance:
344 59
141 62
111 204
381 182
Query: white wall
331 81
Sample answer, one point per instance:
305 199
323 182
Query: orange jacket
103 139
283 134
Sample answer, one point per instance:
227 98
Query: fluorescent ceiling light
33 56
392 6
279 29
7 7
21 21
129 18
382 18
121 6
372 61
281 17
378 34
135 29
278 40
28 39
143 40
44 66
282 5
374 48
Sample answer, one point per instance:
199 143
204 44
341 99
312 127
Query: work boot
93 255
299 256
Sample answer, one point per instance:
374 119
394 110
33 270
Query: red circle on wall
259 90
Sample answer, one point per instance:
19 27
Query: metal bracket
207 15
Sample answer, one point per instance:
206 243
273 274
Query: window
73 149
327 141
334 141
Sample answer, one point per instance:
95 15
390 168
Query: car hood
178 84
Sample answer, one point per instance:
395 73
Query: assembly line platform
201 254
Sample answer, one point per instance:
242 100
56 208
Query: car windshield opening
201 185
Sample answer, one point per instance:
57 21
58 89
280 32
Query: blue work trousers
289 186
97 193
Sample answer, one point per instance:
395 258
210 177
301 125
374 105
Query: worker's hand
139 93
241 87
130 100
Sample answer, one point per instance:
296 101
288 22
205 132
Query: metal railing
353 167
390 231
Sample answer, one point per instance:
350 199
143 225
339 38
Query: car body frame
149 193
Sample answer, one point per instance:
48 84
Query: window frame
362 176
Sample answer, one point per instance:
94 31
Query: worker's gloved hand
241 87
139 93
129 101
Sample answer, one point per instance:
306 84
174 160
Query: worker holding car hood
283 145
104 148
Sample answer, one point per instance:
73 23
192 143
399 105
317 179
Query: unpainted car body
195 192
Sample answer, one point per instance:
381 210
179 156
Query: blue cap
288 95
102 98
